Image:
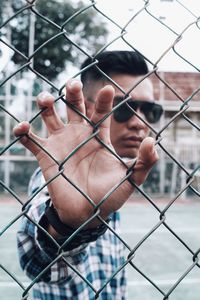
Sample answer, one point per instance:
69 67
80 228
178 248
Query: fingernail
20 125
44 95
74 81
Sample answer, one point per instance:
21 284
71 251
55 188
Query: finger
23 129
103 106
147 157
49 114
75 96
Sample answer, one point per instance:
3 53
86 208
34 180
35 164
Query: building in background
181 138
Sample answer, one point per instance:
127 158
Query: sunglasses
151 110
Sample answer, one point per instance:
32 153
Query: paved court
162 257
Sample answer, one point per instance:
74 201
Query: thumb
147 157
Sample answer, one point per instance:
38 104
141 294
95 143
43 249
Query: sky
152 38
147 34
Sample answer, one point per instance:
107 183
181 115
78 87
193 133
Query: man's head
125 68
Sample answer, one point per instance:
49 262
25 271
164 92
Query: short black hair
114 62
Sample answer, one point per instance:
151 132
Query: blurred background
36 56
152 31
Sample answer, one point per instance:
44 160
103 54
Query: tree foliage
87 29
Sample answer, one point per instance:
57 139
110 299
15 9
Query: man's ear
89 105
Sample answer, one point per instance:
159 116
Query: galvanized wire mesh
184 106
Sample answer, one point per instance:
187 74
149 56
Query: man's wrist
61 232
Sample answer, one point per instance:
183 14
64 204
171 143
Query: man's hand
92 167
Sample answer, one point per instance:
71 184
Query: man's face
127 136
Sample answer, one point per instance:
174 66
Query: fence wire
184 106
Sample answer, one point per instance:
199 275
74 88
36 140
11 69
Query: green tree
87 29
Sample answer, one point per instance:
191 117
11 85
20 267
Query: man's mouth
132 140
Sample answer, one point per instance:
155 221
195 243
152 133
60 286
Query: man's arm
36 250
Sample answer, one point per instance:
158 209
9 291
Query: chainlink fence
181 167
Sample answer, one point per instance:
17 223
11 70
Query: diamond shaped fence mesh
178 169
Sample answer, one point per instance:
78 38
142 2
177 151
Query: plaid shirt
96 261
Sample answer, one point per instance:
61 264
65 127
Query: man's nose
136 122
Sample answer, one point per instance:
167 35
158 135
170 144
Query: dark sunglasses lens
123 113
152 111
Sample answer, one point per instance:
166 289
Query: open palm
86 174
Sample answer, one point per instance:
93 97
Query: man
95 253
